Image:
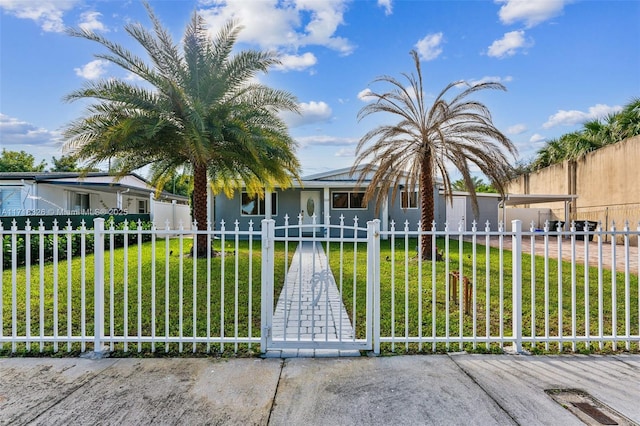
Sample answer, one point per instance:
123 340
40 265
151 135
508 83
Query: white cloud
491 79
429 47
535 138
573 117
531 12
508 45
275 24
387 5
325 140
310 112
90 21
133 77
517 129
365 95
46 13
297 62
92 70
22 133
345 152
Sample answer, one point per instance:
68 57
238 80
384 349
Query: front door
310 207
456 212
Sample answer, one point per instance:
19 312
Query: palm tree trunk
426 206
200 205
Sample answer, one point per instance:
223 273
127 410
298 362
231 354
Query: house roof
337 175
346 177
99 180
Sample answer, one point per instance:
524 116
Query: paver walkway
310 307
607 249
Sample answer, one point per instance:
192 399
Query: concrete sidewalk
421 389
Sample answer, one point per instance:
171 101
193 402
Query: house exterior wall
44 199
54 199
228 209
487 211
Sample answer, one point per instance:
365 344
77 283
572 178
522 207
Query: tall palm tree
428 140
199 110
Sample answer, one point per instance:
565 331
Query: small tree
65 163
14 161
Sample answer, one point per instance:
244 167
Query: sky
563 62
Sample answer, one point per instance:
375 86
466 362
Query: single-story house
39 194
336 193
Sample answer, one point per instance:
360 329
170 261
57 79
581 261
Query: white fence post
98 289
267 269
373 282
516 293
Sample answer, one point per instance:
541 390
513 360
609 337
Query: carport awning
515 200
518 199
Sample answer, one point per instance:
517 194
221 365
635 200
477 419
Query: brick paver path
310 307
607 251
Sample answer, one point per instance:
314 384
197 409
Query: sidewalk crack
73 390
275 394
486 391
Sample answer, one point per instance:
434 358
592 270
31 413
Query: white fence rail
143 290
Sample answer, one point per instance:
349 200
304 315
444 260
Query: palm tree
578 144
460 184
199 110
553 152
428 140
627 121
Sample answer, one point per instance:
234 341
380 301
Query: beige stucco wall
606 181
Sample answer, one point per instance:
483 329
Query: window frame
415 197
349 199
145 206
80 196
261 205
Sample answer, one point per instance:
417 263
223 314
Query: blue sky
563 62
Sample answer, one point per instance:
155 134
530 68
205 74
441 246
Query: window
255 206
10 203
79 201
142 206
409 200
348 200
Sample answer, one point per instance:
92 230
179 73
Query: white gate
323 303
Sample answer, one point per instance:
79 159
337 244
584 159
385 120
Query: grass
130 280
414 306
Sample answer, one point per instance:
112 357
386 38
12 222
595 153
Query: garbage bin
553 225
585 225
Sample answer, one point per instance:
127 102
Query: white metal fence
143 290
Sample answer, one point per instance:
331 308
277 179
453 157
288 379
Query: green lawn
404 296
